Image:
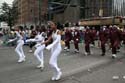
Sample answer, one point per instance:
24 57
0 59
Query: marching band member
76 39
103 37
55 47
20 43
88 40
114 39
40 37
68 38
32 35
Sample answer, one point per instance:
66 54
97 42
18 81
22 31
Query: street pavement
70 63
110 73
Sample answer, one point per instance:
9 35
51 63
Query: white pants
53 60
19 49
39 54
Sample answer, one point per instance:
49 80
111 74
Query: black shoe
114 56
103 54
76 51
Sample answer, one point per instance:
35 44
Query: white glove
28 40
77 39
48 47
11 40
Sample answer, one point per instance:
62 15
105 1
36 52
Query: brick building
28 11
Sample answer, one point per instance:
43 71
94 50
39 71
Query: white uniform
39 48
55 52
19 47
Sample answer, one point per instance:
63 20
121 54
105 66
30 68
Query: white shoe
91 45
53 78
123 77
21 60
115 77
40 66
77 51
30 51
65 48
58 77
114 56
86 53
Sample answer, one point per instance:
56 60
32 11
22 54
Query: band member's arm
12 40
34 40
47 41
55 42
30 40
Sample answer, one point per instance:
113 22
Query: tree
8 14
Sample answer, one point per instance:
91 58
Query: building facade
33 12
97 8
119 7
92 8
65 13
30 12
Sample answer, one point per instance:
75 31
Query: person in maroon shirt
76 39
93 32
68 37
88 40
123 35
32 35
115 40
103 37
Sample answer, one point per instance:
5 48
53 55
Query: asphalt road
70 63
105 74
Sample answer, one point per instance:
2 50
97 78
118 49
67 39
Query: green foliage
8 14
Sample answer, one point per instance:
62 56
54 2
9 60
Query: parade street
110 73
76 67
62 41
